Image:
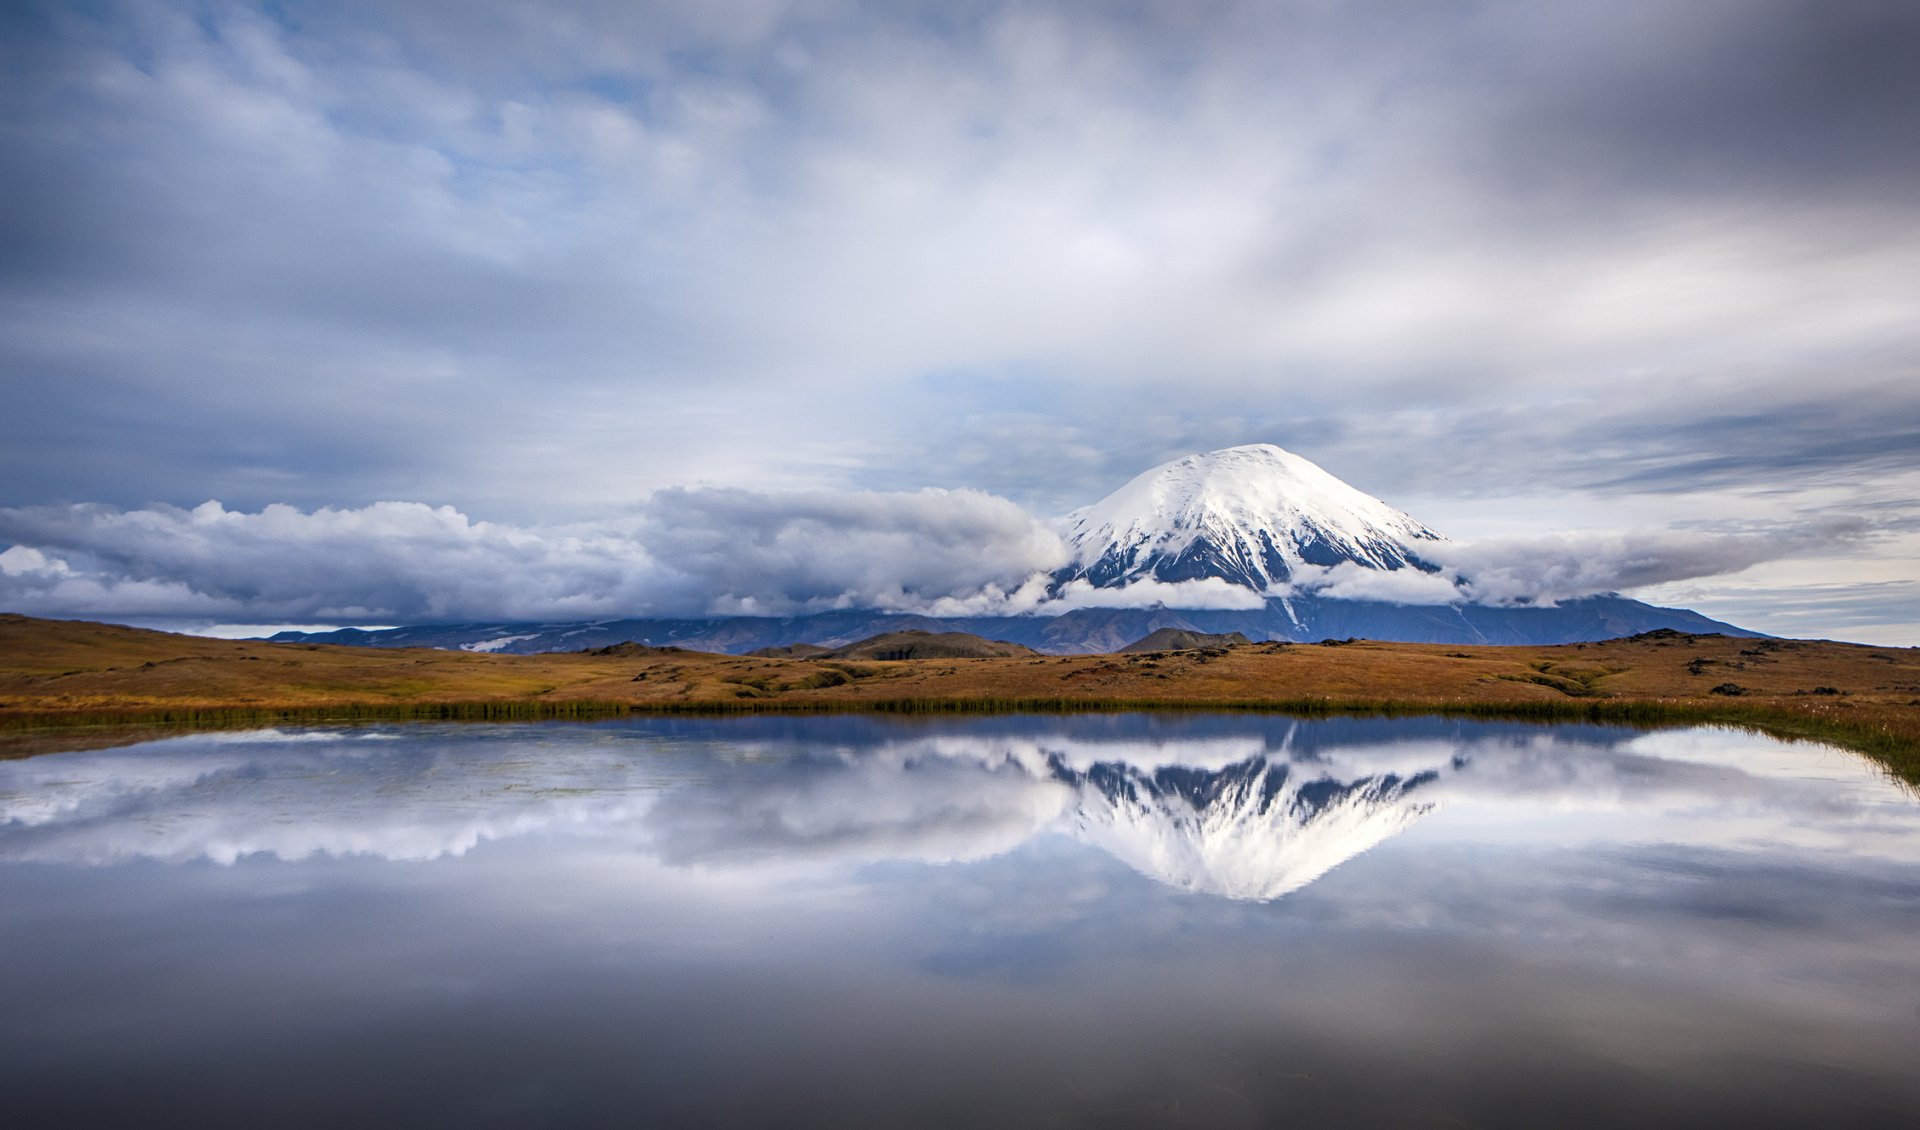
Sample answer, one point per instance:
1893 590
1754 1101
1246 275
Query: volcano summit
1248 515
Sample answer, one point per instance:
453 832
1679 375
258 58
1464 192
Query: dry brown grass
1867 698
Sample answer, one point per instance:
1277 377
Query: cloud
711 552
1881 612
759 553
387 561
1561 566
685 552
1208 592
1347 581
627 245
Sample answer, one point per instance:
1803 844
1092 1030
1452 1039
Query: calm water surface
1027 921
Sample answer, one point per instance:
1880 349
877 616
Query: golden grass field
67 673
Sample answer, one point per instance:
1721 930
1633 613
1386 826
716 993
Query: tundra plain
60 680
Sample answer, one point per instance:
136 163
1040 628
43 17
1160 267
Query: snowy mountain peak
1250 515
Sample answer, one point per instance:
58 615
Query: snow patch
497 644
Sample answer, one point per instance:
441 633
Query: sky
514 310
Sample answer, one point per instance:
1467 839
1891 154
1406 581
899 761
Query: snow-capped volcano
1249 515
1257 517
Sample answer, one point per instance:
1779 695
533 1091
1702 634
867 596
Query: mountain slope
1248 515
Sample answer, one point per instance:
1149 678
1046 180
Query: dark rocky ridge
1177 639
916 644
790 651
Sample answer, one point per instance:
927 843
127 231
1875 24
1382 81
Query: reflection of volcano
1241 823
1256 829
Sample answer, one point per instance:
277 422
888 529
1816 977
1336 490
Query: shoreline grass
1894 752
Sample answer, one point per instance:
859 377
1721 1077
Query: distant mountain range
1251 516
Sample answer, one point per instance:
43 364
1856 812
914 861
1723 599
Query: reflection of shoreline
20 744
1245 809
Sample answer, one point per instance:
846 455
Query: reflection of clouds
296 794
934 809
1243 807
1711 787
43 789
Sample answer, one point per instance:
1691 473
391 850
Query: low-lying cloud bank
726 552
686 552
1563 566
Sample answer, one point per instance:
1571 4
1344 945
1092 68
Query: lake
1093 920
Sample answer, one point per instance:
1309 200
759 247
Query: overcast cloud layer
1515 268
724 552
